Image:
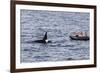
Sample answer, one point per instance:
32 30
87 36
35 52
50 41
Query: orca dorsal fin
45 36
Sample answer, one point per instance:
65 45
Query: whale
44 40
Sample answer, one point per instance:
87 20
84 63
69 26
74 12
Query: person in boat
85 34
79 34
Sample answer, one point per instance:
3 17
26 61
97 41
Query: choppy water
59 25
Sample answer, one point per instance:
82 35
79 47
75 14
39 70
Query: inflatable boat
79 36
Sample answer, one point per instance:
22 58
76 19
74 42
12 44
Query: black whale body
41 41
44 40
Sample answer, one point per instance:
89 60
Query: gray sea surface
58 25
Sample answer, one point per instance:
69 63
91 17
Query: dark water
59 25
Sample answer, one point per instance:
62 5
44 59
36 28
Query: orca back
43 40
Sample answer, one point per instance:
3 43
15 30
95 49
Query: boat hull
85 38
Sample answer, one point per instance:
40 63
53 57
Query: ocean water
58 25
